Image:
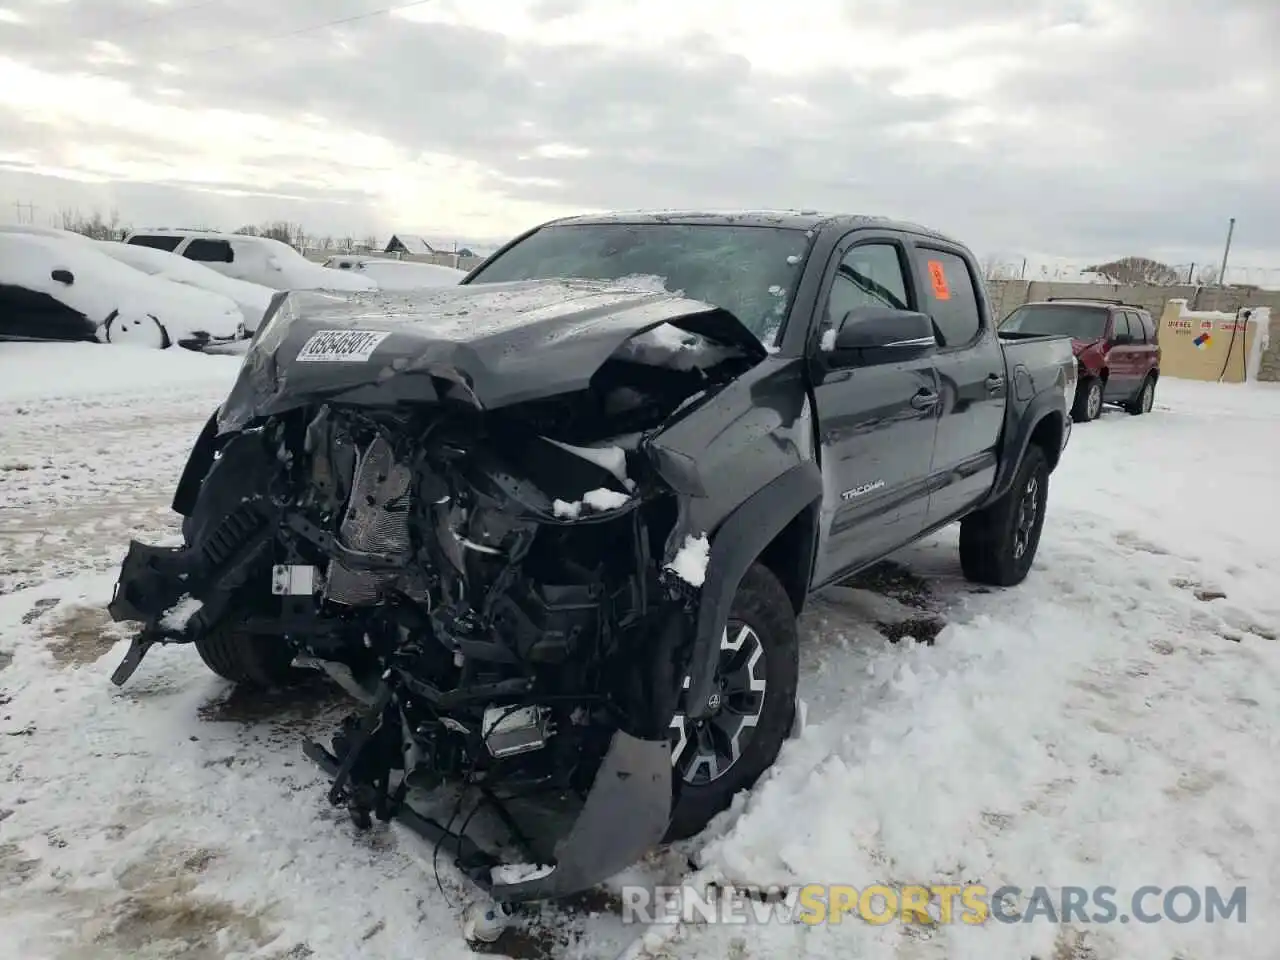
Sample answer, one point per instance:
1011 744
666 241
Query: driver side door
877 421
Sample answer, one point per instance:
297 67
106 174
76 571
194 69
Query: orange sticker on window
940 289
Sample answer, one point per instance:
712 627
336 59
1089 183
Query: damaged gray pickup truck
553 527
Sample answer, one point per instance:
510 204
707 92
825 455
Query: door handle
924 400
994 382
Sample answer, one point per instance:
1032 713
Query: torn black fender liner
625 815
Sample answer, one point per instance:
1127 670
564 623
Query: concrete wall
1007 295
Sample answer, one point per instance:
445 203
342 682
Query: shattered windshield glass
749 271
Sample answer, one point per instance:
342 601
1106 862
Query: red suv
1115 345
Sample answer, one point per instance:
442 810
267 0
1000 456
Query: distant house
409 243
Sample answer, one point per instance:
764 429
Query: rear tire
764 609
1145 399
999 542
252 660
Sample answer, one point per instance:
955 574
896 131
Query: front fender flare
738 541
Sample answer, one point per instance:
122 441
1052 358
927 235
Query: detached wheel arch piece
753 710
137 330
251 660
998 543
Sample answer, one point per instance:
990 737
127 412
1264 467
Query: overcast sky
1073 129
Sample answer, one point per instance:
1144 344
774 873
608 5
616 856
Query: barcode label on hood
340 346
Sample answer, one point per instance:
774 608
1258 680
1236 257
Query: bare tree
1136 270
248 230
371 243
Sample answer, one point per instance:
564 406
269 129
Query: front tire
759 672
1088 403
252 660
999 542
136 330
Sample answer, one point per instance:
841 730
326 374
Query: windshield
749 271
1079 323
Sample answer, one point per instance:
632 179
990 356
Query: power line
317 26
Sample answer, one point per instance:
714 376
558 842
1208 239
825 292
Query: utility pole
1222 274
31 211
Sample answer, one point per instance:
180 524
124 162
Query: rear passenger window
1148 325
869 275
168 244
952 297
1119 325
1136 329
208 251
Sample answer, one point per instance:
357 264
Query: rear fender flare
737 543
1043 408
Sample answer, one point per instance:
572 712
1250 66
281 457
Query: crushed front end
491 585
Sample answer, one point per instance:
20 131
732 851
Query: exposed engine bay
498 588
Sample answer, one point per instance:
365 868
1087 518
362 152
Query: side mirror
63 276
869 335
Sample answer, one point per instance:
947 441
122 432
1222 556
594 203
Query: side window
1136 330
168 244
952 296
1148 325
1120 325
869 275
208 251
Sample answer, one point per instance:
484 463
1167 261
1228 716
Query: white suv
256 259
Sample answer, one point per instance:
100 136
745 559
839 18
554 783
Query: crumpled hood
490 345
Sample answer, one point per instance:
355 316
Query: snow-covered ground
1115 720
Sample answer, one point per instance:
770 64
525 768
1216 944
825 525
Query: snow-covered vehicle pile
252 298
67 288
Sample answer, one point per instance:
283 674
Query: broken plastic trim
625 815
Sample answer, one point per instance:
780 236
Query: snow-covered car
256 259
59 289
398 274
252 298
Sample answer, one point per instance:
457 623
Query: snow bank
97 375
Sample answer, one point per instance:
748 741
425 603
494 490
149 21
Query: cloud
1078 129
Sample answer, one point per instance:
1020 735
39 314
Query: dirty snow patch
179 615
690 561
